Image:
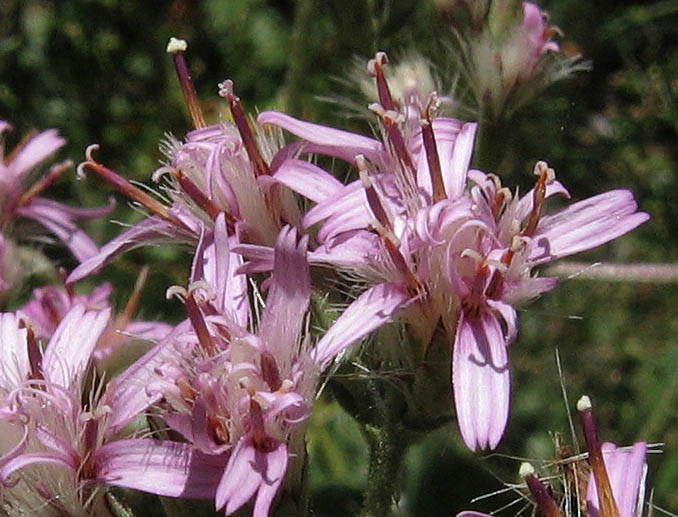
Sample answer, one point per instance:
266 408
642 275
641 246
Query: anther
606 501
269 371
240 119
177 47
545 503
259 438
546 177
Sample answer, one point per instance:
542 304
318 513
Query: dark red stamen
547 506
240 120
433 158
606 501
373 201
177 48
43 184
270 372
377 70
260 440
401 264
472 305
539 195
199 325
205 203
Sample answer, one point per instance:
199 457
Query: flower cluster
217 407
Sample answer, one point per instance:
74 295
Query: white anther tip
178 291
584 403
526 469
225 88
175 45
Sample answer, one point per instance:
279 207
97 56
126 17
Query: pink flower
461 243
245 396
219 169
18 200
69 434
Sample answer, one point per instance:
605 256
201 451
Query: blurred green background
97 70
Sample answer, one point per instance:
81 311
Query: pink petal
352 249
481 380
350 199
308 180
149 231
70 350
15 367
32 458
333 142
159 467
127 395
52 216
627 470
289 294
454 174
241 479
36 150
585 225
276 466
376 306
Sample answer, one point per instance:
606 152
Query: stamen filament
433 158
240 119
606 501
177 47
372 196
124 186
199 325
205 203
376 70
547 506
39 187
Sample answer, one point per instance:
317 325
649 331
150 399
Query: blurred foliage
97 70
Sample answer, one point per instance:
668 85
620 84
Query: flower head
463 245
244 395
20 197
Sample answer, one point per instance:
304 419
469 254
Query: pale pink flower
70 443
463 245
224 168
19 195
245 396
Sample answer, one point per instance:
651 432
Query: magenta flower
50 305
244 397
224 168
70 442
20 198
538 33
461 243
